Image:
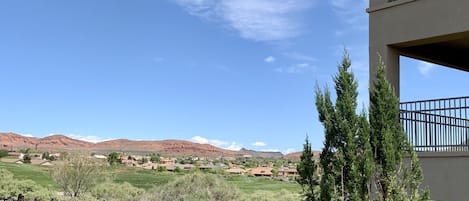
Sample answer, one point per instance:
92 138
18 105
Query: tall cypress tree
345 141
365 159
390 145
307 170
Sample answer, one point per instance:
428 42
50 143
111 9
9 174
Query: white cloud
218 143
297 68
259 20
425 67
202 140
88 138
269 59
26 135
234 146
259 144
289 150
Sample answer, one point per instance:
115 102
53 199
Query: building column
390 57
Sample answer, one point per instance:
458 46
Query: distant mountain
260 154
53 142
166 147
295 156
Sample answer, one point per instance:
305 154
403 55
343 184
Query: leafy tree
394 180
155 158
76 174
25 151
45 155
113 158
345 149
307 170
26 158
3 153
143 160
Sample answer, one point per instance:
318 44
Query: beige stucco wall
446 174
405 23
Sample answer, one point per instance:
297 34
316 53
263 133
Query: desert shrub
116 191
194 187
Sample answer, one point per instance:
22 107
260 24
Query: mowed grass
251 184
147 179
38 174
140 178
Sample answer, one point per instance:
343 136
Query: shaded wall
446 174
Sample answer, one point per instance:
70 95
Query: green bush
10 186
161 169
3 153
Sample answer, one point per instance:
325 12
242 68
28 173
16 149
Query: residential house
41 162
287 172
261 171
236 170
167 161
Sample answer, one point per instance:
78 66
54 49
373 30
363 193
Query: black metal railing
440 125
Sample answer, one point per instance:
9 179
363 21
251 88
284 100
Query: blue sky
233 73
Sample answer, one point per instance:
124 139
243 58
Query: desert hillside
15 141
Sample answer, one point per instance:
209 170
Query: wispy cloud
425 67
260 20
259 144
299 56
352 14
269 59
297 68
218 143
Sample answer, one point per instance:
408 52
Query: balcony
438 125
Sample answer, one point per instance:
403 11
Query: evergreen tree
307 170
346 157
394 179
366 162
